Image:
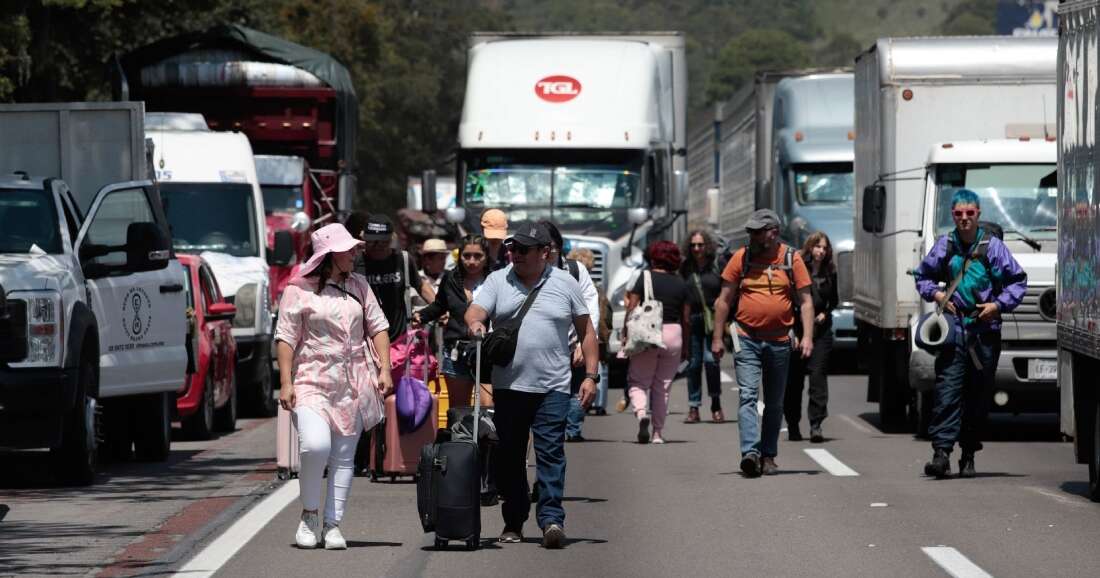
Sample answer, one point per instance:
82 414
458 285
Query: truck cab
92 322
292 206
213 202
1015 180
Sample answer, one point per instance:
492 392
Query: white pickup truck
92 323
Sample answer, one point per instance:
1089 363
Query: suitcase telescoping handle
478 338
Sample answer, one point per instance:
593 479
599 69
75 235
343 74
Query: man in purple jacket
993 283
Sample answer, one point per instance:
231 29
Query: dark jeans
543 415
962 390
817 366
702 359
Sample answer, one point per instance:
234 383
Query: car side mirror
301 222
221 311
678 202
283 252
148 248
874 208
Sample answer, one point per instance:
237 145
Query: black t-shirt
387 280
669 289
711 282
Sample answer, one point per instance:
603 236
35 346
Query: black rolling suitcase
448 489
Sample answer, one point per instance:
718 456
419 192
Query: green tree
841 50
971 18
752 51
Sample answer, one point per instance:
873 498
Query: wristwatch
595 377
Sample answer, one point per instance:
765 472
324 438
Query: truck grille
1028 311
599 251
845 273
13 331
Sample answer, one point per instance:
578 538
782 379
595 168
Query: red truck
290 100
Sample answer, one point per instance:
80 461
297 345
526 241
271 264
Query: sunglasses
693 245
959 213
520 249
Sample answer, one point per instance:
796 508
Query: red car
208 402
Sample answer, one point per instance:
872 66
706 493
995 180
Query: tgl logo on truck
558 88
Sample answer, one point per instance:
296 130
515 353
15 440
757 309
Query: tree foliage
752 51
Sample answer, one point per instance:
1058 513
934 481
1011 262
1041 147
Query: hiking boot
718 416
510 536
768 467
334 540
966 465
940 466
750 465
643 430
794 433
308 529
816 437
553 537
693 415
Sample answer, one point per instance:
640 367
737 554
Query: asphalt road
678 509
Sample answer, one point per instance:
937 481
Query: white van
215 207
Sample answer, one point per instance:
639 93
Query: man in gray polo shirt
531 394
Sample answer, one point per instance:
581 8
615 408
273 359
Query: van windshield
218 217
1018 197
28 219
823 183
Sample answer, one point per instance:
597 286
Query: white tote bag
645 323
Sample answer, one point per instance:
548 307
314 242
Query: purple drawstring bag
414 400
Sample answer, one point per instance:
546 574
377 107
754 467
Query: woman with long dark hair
704 279
652 371
457 290
817 253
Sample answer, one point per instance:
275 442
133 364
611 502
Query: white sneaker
334 540
308 529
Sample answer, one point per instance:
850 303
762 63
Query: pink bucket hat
332 238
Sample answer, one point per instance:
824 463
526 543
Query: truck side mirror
874 208
455 215
147 247
678 202
283 251
427 192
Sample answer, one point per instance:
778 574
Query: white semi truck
783 143
913 96
92 323
585 130
1079 235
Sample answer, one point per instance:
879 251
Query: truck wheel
1094 457
262 396
154 427
75 460
892 398
225 418
200 425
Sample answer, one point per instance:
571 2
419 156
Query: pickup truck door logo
137 313
558 88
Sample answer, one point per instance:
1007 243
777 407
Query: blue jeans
702 358
543 415
574 420
767 362
601 390
962 390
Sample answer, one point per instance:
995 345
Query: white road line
852 421
954 563
1078 502
726 378
218 552
829 462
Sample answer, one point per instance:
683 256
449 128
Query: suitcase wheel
283 474
440 544
472 543
393 478
373 477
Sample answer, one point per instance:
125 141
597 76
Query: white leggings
320 445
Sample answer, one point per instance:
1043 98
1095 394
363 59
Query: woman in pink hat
332 377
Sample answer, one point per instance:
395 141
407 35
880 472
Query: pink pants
651 374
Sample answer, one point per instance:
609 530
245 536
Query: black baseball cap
378 228
529 234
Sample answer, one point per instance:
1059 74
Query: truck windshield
1012 196
542 179
218 217
282 198
823 183
28 219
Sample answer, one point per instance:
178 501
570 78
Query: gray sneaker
308 530
553 537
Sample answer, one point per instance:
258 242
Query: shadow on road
1038 427
584 500
1076 488
43 548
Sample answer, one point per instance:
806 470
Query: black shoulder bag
499 347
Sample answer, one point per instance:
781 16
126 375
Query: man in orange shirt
767 277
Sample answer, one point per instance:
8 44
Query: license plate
1042 369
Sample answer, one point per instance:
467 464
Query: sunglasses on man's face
698 245
960 213
520 249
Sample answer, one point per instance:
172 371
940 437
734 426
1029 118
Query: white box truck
1079 235
911 95
92 323
586 130
214 203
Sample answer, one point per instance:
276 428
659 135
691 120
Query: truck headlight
44 330
245 301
